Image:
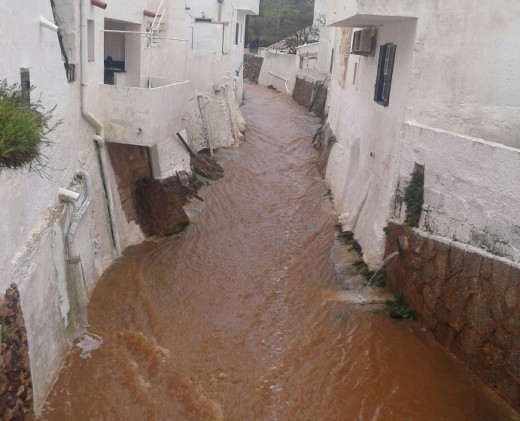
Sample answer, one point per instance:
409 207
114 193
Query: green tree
278 19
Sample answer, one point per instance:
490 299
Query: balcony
143 116
251 7
360 13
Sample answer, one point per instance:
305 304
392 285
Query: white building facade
450 107
132 72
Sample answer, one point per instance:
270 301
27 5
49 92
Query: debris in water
88 342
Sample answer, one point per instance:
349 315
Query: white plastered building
120 71
453 111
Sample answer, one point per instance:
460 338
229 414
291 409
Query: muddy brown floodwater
228 320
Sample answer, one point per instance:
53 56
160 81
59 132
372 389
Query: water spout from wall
402 245
381 266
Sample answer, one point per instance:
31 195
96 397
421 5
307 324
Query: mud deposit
233 319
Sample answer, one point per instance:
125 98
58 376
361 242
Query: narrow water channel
228 320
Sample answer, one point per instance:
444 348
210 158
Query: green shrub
23 129
413 197
398 307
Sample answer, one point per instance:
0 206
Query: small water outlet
402 243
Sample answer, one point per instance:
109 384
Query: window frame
385 69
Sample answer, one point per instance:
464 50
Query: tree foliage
280 19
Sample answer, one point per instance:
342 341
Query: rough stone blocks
468 298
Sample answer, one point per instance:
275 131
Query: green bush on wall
414 197
24 128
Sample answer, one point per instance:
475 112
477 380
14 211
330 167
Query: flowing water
229 321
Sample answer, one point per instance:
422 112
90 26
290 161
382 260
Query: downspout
202 108
80 210
77 289
96 124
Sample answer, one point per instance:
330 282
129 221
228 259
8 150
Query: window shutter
385 69
379 79
388 70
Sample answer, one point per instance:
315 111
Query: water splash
381 266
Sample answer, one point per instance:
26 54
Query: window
25 84
90 41
385 68
237 29
70 69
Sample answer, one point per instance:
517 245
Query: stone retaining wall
311 95
16 399
252 67
468 298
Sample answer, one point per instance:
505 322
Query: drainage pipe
202 107
234 126
284 80
77 288
98 126
44 23
79 210
100 142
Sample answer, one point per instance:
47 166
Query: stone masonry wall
252 67
311 95
16 401
468 298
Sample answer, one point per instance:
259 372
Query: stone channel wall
469 300
16 399
311 95
252 67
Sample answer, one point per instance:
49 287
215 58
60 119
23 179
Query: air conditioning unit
363 42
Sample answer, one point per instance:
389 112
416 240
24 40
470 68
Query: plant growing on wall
24 127
413 197
399 310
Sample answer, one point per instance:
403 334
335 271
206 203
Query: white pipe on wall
48 24
98 126
100 141
79 210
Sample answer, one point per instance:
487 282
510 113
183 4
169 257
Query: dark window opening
70 69
25 84
385 69
237 33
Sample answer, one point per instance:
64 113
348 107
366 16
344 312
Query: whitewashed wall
453 108
33 223
363 164
279 70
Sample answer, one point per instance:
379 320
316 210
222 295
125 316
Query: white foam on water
88 342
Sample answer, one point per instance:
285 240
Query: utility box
363 42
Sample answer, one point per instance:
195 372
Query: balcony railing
143 116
